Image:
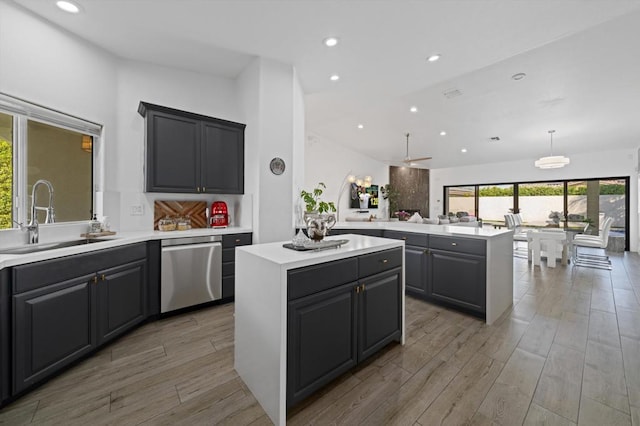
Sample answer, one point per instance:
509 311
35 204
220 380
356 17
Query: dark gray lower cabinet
458 279
380 312
416 263
321 340
52 327
335 322
65 308
122 299
229 244
5 335
369 232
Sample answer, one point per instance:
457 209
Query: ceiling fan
409 160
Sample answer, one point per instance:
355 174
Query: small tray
311 246
97 234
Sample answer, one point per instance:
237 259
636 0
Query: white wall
329 162
185 90
589 165
47 66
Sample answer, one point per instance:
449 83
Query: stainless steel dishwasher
191 272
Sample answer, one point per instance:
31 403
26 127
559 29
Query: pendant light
552 161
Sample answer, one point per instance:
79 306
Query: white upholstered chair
593 242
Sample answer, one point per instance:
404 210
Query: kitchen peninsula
467 268
304 318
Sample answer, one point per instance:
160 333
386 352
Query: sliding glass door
494 201
576 205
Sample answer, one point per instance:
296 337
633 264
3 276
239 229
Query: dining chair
588 259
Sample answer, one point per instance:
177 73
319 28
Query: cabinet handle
204 189
237 240
384 261
404 238
198 188
362 288
103 277
454 244
357 289
95 279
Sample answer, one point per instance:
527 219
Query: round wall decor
277 166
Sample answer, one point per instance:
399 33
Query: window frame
22 111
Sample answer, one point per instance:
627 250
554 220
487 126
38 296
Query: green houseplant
313 203
317 214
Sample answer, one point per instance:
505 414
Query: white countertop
422 228
120 239
289 259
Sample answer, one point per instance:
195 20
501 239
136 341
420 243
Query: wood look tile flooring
568 353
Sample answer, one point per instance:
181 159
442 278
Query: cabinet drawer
234 240
409 238
228 269
459 245
229 255
374 263
312 279
39 274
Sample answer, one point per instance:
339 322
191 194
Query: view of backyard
543 204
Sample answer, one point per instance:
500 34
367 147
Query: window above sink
41 143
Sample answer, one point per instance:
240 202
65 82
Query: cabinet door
416 264
379 312
458 279
173 153
122 299
53 326
222 159
321 341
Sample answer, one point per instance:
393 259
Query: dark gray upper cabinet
192 153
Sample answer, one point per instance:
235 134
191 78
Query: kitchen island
467 268
304 318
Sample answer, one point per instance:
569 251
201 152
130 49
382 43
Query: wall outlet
136 210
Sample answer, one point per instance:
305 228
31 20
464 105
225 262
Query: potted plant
318 214
313 203
390 195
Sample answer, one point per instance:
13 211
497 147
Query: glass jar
167 224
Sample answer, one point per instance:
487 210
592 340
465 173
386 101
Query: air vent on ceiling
494 138
452 93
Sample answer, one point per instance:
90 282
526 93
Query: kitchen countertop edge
120 239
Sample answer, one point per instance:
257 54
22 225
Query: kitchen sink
33 248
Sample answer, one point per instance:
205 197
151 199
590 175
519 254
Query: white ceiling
582 60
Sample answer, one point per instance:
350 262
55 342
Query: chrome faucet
32 227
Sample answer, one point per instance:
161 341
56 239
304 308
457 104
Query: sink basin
33 248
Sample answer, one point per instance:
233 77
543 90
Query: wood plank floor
568 353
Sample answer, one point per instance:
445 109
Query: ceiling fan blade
410 160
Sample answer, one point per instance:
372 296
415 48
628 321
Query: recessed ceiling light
443 133
433 57
330 41
360 126
68 6
518 76
413 109
334 77
463 150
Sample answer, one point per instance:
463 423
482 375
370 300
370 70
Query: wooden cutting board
194 209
